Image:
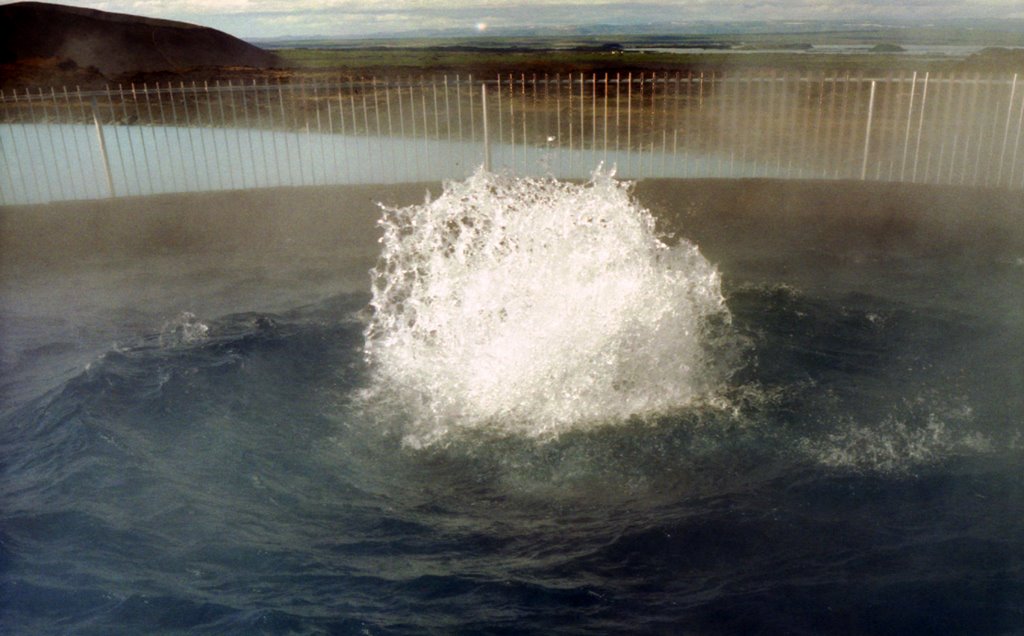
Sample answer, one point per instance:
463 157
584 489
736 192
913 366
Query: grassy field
488 61
487 57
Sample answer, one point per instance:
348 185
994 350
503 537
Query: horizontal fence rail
62 144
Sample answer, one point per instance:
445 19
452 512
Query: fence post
867 133
487 138
103 147
1006 129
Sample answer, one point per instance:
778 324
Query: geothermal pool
707 407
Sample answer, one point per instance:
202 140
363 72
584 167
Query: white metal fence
60 144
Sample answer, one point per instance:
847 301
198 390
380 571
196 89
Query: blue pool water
192 443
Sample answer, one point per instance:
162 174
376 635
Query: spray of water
533 306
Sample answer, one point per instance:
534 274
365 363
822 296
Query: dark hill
117 43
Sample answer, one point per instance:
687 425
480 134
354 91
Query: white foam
900 442
185 329
532 306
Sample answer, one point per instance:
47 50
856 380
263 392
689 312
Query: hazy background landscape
75 45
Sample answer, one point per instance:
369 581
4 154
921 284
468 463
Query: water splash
916 433
185 329
532 306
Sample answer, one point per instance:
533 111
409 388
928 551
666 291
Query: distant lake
922 50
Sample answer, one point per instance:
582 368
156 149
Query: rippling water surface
799 442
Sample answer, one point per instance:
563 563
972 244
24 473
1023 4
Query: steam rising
533 306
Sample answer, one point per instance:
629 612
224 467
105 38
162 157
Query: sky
354 18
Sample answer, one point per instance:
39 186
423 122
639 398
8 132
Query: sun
481 26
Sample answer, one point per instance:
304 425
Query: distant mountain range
983 32
116 43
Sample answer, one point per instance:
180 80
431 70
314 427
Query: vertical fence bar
238 158
892 100
448 125
273 161
910 116
63 142
259 125
569 120
472 108
18 164
920 126
78 146
1006 129
793 134
320 137
335 171
188 135
501 127
213 130
165 181
153 183
947 126
298 108
715 89
227 179
352 107
524 109
629 124
483 118
941 112
40 178
458 114
1016 144
558 115
8 157
285 137
207 172
540 107
177 131
958 118
254 133
604 127
969 124
341 124
200 126
103 148
391 132
423 104
512 119
618 109
177 136
593 120
664 132
412 115
980 121
52 134
675 125
640 129
401 127
6 196
732 82
380 131
867 133
131 146
47 182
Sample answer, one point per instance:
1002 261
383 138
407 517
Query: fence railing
134 140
